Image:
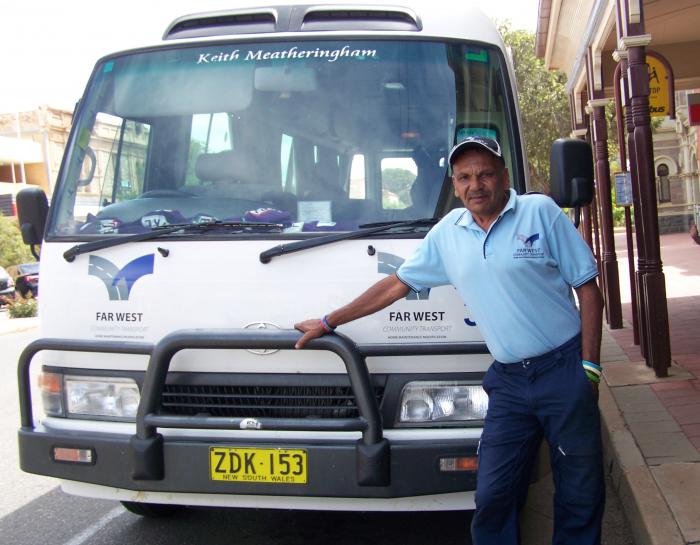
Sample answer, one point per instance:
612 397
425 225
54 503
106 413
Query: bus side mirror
571 172
32 209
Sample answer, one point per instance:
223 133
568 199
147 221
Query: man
514 260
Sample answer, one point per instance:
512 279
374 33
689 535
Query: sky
48 47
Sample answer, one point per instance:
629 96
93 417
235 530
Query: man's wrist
593 371
326 325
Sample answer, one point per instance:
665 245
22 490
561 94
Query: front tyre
151 510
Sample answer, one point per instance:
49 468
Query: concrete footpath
652 425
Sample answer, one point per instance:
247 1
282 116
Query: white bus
259 167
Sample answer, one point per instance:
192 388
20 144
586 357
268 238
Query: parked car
7 286
26 278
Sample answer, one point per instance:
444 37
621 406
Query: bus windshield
316 136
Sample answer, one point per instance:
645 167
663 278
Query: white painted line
92 530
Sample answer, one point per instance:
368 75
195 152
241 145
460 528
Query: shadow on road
57 518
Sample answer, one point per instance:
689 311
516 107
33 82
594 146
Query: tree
544 103
12 249
396 184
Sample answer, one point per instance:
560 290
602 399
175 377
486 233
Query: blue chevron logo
528 241
388 264
120 281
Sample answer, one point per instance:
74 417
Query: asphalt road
60 519
33 511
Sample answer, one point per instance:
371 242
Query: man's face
480 181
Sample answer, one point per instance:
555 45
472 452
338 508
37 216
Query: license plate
257 465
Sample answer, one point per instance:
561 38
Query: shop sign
659 85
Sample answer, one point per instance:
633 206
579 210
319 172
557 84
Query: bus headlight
444 401
101 396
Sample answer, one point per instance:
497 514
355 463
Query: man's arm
377 297
591 306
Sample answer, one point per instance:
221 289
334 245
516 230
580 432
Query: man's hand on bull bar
311 329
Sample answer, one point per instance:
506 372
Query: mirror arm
32 248
577 215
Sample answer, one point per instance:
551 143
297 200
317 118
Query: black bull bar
372 450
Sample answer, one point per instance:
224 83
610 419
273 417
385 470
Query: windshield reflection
317 138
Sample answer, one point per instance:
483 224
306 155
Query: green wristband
592 377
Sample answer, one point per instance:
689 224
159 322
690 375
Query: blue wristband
327 326
593 370
592 366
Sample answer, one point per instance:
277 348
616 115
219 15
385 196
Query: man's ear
454 186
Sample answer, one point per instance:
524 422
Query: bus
259 167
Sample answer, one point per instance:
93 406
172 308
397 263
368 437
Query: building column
593 210
652 281
613 307
624 123
587 226
586 221
638 223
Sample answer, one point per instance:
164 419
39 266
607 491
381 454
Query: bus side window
358 181
288 169
211 133
398 176
123 178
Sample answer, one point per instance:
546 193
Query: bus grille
262 401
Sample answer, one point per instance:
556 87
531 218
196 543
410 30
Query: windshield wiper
366 229
71 253
421 221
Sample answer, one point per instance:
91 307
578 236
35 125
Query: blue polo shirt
516 279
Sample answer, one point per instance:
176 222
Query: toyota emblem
262 325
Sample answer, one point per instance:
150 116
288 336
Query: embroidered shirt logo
528 241
528 248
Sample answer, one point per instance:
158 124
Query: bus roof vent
222 23
359 17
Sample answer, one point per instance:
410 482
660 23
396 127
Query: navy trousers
548 396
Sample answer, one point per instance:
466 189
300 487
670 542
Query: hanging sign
623 189
659 85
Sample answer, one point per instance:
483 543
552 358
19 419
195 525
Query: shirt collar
467 220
